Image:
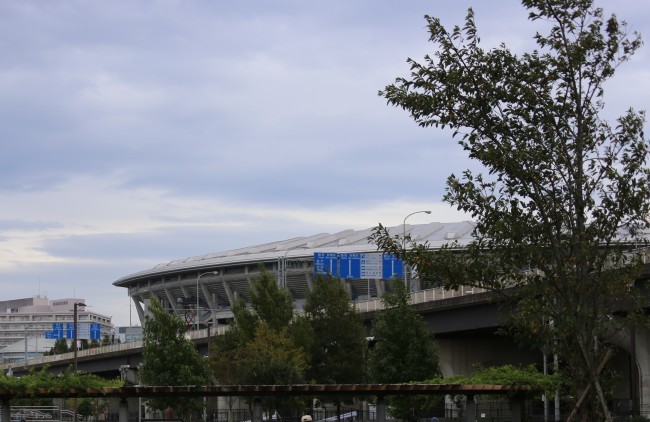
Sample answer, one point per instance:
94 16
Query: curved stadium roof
350 241
225 276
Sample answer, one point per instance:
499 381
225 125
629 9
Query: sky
139 132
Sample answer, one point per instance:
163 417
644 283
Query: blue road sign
87 331
392 267
326 263
55 335
358 265
350 265
95 331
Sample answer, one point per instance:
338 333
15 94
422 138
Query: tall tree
567 194
334 335
271 303
404 350
338 345
60 346
170 359
259 347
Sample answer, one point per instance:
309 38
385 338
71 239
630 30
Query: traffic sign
392 267
95 331
350 265
87 331
326 263
55 335
83 331
358 265
370 265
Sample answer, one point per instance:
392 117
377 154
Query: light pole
75 337
74 347
405 266
283 266
197 294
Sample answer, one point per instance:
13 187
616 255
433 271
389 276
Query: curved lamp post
282 279
404 247
197 293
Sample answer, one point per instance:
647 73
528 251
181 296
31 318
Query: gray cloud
25 225
241 107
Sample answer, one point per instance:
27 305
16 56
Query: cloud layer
136 133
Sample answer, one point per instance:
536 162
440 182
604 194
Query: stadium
203 288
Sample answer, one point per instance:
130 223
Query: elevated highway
448 312
465 323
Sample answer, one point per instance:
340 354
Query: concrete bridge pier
636 342
5 410
124 410
381 409
470 409
258 412
640 340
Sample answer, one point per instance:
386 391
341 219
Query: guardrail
112 348
421 296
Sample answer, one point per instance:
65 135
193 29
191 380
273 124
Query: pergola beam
350 390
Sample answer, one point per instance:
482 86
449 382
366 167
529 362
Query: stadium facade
211 283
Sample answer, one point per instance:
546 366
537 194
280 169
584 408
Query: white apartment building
30 318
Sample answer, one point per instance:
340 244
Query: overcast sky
138 132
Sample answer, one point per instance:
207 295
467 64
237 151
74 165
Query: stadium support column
198 315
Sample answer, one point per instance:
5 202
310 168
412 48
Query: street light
74 348
197 294
283 266
75 319
404 247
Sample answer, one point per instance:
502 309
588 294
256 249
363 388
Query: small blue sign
95 331
392 267
326 263
54 335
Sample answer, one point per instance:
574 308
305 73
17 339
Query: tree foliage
262 325
404 350
506 375
566 194
259 347
106 340
170 359
60 346
333 334
24 386
91 407
337 344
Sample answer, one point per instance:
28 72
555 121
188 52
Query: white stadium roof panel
436 234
